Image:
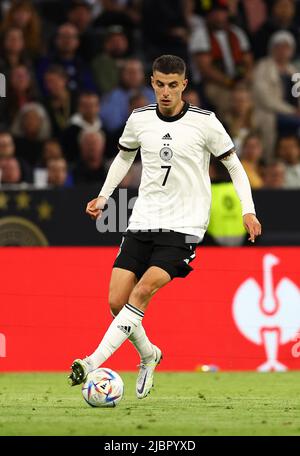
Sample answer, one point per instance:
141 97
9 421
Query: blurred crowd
75 70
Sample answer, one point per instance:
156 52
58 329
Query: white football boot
80 369
144 381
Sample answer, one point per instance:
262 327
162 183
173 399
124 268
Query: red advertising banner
238 310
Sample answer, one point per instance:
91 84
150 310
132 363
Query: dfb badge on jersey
166 153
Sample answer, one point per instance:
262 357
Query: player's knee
115 305
141 292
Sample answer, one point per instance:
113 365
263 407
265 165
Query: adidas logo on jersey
167 136
126 329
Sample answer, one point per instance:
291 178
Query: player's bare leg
153 279
126 322
122 283
150 354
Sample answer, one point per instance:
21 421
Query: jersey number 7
168 168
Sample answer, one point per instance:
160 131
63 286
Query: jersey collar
173 118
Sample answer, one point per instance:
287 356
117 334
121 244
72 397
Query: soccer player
170 215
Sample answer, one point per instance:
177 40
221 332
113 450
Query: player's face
168 90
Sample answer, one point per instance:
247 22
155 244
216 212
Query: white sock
124 324
141 342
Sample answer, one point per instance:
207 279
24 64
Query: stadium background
69 91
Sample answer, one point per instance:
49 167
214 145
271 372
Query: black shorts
169 250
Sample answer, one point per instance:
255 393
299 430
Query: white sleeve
117 171
240 181
218 141
129 141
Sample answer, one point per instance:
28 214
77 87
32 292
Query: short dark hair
169 64
88 93
57 69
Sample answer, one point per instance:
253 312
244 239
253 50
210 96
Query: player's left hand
252 226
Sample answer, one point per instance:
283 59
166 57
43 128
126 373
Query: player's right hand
95 207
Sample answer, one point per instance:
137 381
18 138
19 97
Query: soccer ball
103 388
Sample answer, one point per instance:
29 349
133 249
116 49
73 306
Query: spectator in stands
274 175
115 105
282 17
22 14
125 13
106 65
30 128
21 89
7 146
67 43
10 171
240 117
170 35
85 119
80 15
51 150
192 19
13 51
137 100
288 150
60 101
90 167
7 152
276 106
58 175
251 158
192 96
222 55
249 15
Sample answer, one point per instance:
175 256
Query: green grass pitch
181 404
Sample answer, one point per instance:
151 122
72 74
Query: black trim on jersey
229 152
173 118
125 149
196 108
205 113
145 108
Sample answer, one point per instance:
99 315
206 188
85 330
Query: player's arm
117 171
242 186
129 146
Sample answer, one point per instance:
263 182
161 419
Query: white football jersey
175 188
